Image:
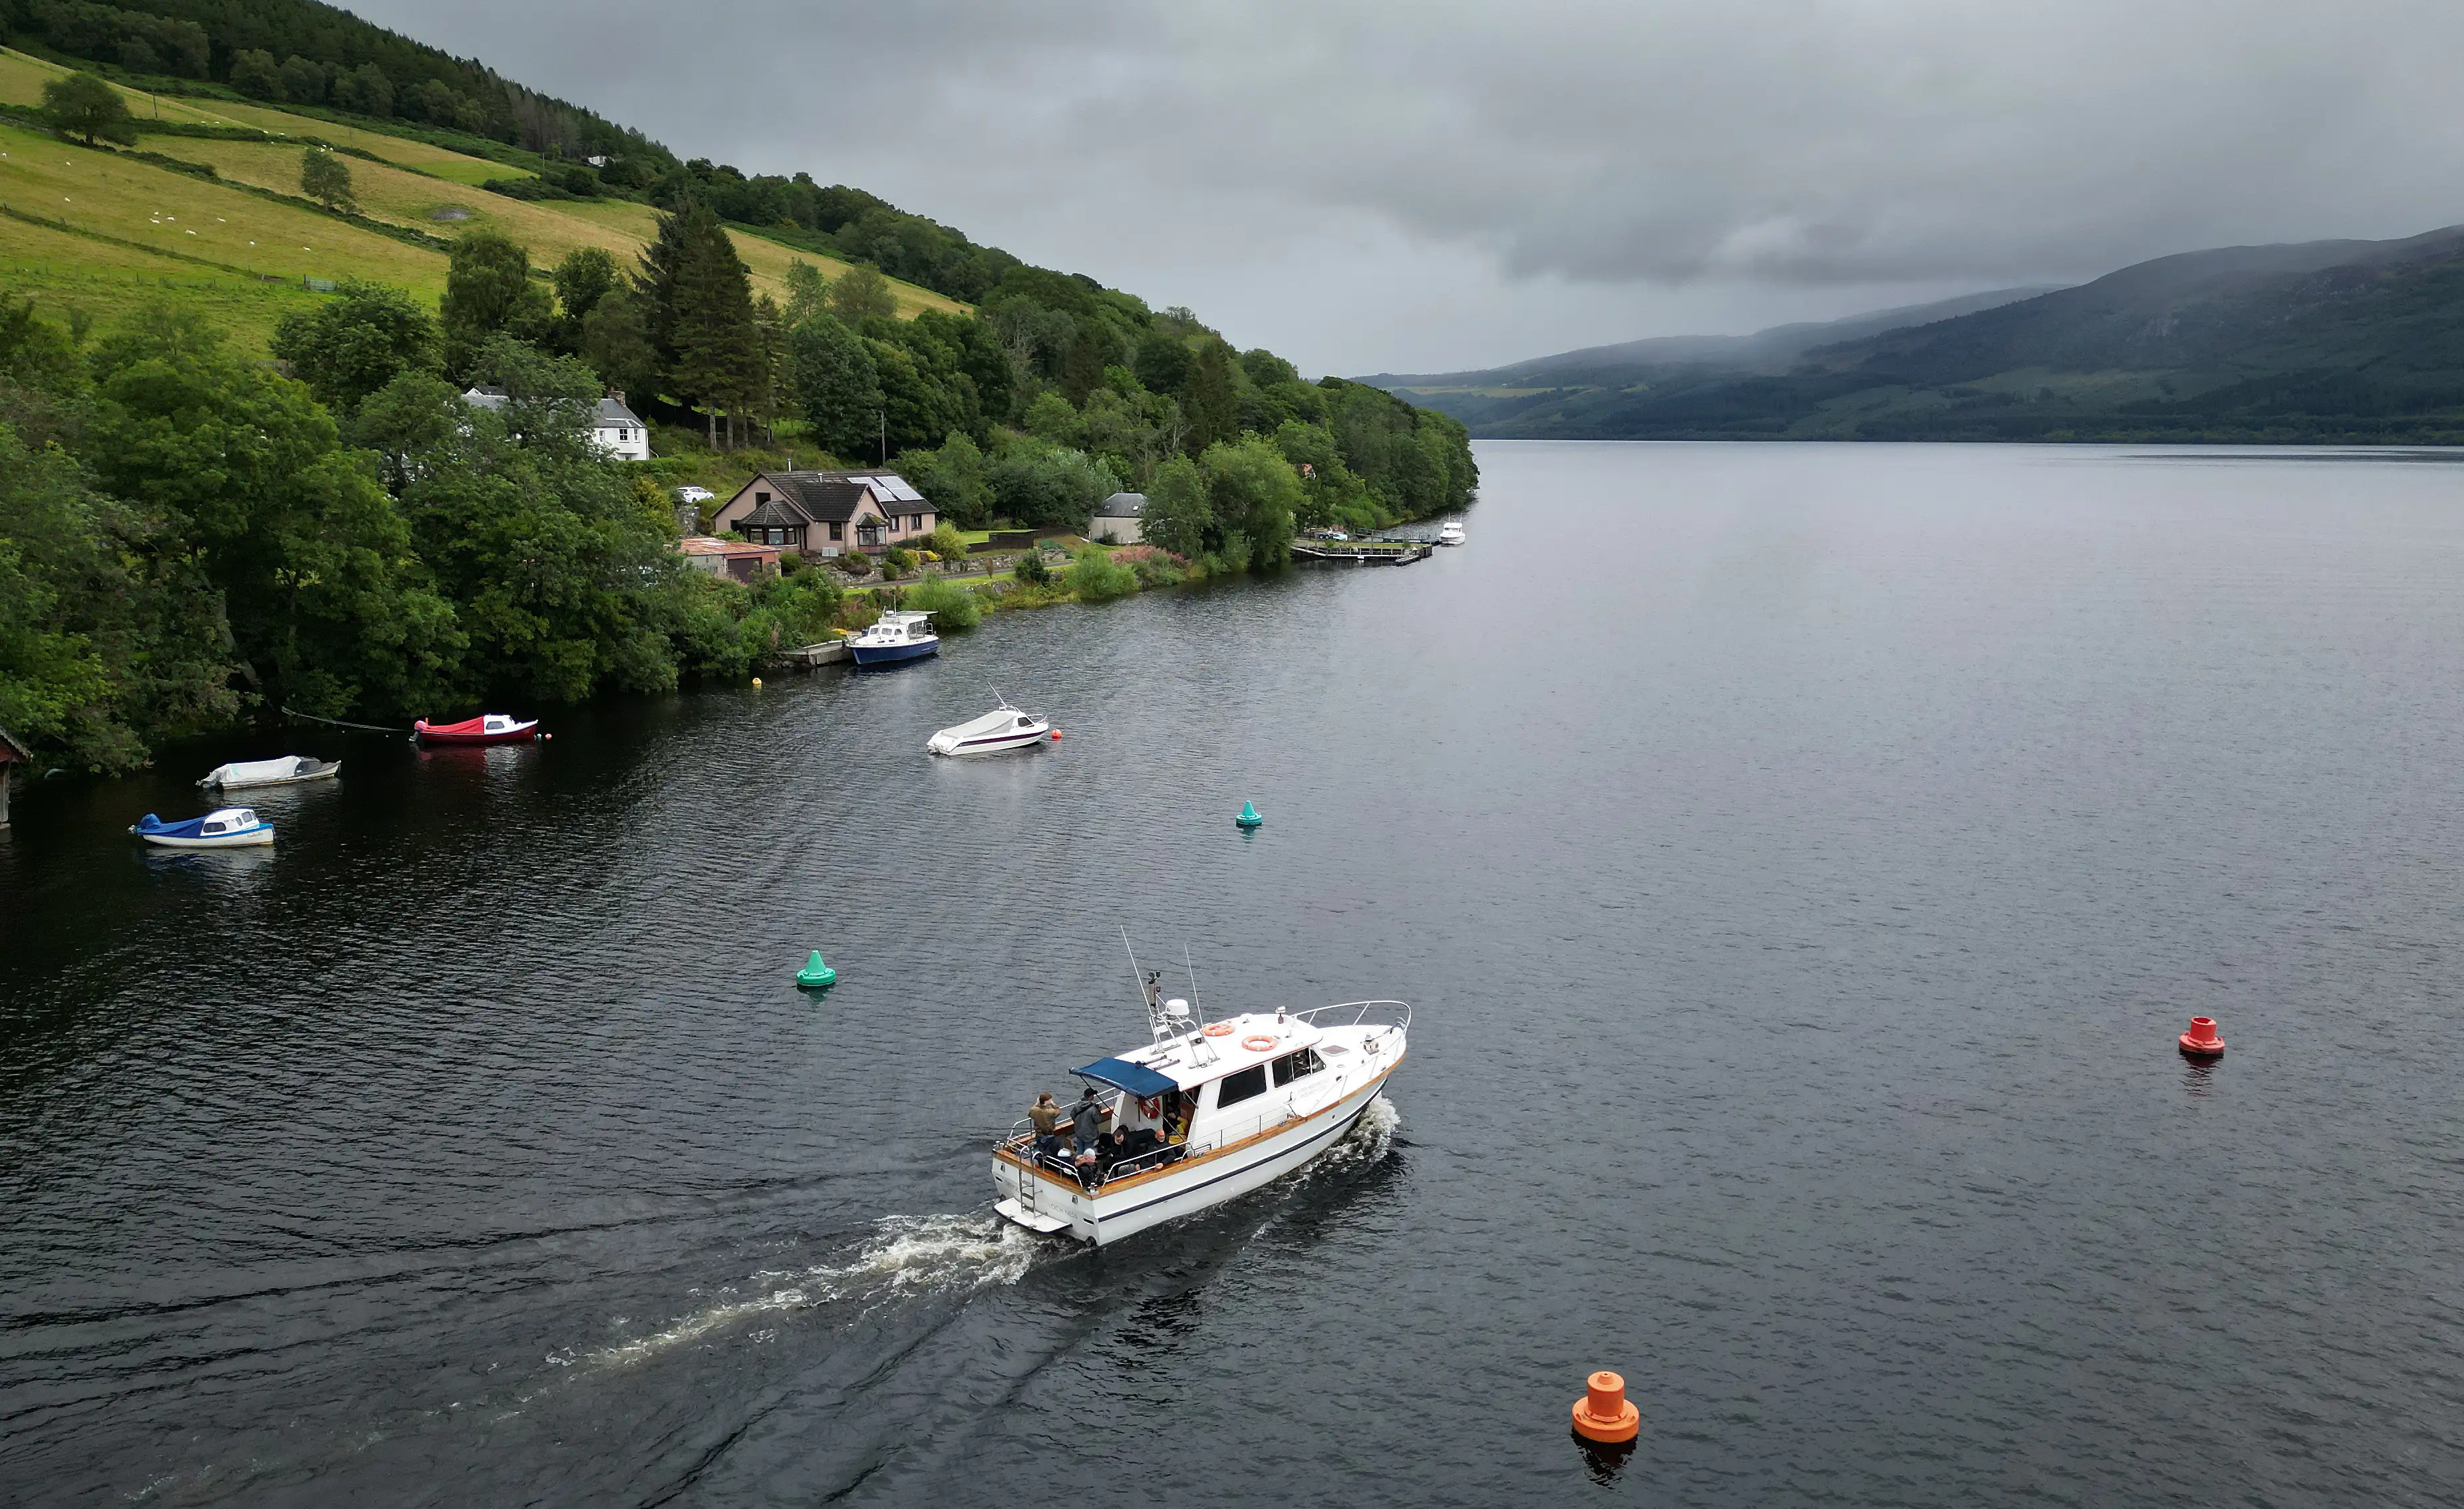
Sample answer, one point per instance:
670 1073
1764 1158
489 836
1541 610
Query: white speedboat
895 637
1004 727
1209 1114
230 828
1451 532
289 771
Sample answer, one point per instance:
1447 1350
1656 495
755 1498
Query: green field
128 209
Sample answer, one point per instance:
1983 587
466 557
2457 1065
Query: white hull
1045 1202
248 840
280 780
958 751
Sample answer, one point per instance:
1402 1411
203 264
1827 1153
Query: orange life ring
1258 1042
1151 1106
1220 1030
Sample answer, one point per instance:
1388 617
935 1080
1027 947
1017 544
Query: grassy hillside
117 226
2329 340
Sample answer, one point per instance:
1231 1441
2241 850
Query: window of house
838 531
1248 1084
761 498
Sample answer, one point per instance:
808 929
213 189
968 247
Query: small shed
13 754
728 558
1120 519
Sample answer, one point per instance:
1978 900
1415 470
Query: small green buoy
1249 817
815 973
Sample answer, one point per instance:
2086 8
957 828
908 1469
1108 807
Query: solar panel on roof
899 490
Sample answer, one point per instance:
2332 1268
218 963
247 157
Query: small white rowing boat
1004 727
230 828
287 770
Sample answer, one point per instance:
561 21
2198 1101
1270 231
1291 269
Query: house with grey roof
615 430
1121 520
823 514
619 431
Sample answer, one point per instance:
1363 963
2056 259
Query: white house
1121 520
614 429
619 431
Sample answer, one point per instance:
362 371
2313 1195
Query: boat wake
1369 1141
906 1255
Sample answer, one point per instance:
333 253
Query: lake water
1799 861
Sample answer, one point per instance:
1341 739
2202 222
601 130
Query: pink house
821 514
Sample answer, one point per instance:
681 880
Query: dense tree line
300 52
187 537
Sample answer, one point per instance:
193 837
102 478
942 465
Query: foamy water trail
943 1254
906 1254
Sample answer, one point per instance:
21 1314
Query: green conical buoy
815 972
1249 817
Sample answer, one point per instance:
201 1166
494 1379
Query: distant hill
2322 341
1498 391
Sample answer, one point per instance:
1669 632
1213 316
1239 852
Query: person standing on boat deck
1086 1119
1046 1115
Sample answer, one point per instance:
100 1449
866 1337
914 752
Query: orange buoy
1602 1414
1056 736
2201 1040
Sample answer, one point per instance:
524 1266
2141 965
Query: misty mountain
2360 341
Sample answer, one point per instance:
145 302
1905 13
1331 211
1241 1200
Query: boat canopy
1122 1074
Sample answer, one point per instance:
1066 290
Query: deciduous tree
348 347
324 177
86 107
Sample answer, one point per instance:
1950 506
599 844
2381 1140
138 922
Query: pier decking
1363 552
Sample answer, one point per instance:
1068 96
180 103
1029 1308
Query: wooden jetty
1364 552
828 652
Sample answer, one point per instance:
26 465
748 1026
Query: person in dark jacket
1087 1120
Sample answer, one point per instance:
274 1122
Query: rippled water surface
1799 861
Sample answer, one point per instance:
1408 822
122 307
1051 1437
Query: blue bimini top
1122 1074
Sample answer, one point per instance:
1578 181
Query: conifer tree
702 320
1210 402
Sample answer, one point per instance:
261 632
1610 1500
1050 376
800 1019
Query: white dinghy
1004 727
289 771
1205 1114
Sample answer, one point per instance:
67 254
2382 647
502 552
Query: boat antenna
1134 982
1199 1012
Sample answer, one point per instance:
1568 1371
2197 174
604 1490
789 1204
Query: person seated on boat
1135 1142
1048 1115
1089 1172
1175 1128
1087 1120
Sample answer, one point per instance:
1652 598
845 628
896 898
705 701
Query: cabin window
1291 1066
1248 1084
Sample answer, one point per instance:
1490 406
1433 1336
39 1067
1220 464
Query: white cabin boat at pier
1211 1112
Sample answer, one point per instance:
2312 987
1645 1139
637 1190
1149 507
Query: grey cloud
1641 150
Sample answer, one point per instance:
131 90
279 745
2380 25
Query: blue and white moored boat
230 828
895 637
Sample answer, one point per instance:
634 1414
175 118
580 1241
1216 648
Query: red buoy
1056 736
1603 1414
2201 1040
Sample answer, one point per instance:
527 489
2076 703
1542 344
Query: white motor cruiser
1451 532
1004 727
1207 1114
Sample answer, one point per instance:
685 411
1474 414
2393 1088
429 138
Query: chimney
616 394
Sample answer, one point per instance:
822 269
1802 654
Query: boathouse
1121 520
822 513
13 754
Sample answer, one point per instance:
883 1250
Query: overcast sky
1434 185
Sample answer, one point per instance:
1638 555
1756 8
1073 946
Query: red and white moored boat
490 728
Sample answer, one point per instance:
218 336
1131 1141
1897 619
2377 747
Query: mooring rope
374 728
